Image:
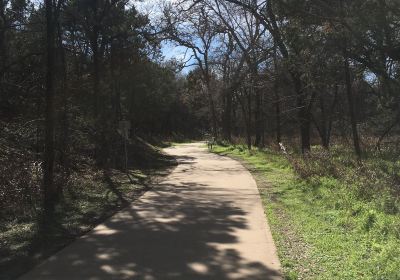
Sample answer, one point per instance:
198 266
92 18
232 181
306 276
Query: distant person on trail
211 142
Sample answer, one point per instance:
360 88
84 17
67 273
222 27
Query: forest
306 92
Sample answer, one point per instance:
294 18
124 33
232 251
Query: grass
326 224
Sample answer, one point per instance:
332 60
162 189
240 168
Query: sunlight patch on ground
198 267
104 230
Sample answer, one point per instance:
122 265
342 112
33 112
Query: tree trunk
331 112
3 24
350 100
212 108
228 116
95 72
101 149
324 128
305 123
277 101
247 118
248 122
3 49
277 115
50 192
304 115
324 124
115 65
63 118
248 134
258 119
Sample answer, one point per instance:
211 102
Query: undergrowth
89 195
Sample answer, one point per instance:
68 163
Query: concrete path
204 221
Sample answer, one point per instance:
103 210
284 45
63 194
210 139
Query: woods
327 66
70 71
311 76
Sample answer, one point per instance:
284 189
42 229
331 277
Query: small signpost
124 127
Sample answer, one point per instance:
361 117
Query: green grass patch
326 226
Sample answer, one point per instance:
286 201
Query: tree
249 36
49 189
196 30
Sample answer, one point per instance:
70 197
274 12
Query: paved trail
203 222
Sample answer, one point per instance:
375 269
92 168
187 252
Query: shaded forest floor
89 197
330 217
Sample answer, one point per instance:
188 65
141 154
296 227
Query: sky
152 8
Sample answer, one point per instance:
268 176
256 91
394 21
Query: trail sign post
123 129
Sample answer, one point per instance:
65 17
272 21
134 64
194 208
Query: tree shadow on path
176 232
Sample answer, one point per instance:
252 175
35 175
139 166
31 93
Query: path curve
205 221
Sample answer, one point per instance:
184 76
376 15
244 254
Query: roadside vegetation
90 195
331 217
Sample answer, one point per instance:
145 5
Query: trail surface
204 221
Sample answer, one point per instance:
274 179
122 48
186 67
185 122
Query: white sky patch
171 51
151 8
